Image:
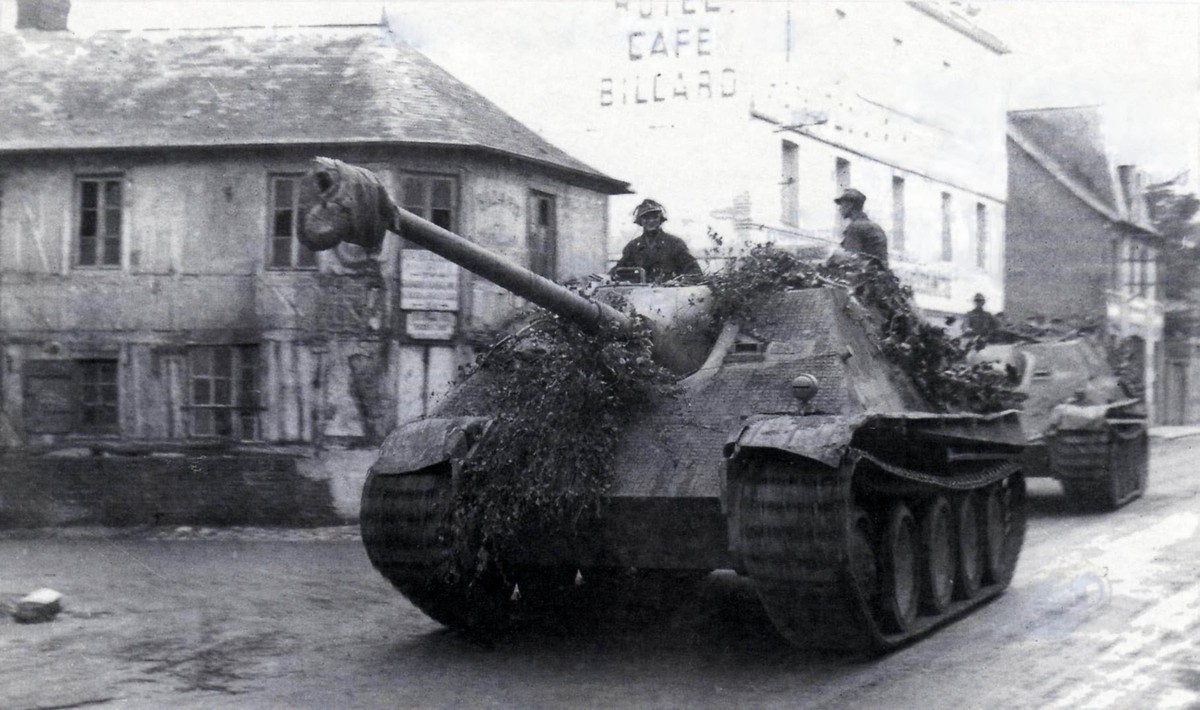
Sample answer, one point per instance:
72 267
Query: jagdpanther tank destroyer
1084 429
794 453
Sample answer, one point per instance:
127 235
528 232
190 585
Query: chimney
47 15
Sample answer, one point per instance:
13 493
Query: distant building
1080 245
152 288
747 119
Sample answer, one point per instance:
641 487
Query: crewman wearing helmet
663 256
978 321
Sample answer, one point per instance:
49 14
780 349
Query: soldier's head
979 300
649 215
850 201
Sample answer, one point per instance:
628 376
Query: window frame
83 369
427 209
99 223
789 183
543 261
982 236
299 257
241 406
947 251
899 215
72 378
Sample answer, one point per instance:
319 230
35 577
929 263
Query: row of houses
153 292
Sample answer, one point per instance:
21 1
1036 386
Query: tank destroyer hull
861 529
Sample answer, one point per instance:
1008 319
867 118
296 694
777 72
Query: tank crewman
861 236
978 321
663 256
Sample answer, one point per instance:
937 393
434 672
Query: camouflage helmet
648 207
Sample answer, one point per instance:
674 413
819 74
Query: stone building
1080 245
152 289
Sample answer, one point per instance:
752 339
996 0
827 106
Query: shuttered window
71 396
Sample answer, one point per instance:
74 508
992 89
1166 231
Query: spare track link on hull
1101 470
802 536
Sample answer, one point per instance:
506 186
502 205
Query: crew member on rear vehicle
663 256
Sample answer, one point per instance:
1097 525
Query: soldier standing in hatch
978 321
861 236
663 256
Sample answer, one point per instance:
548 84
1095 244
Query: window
841 169
99 222
286 250
947 241
981 236
789 184
543 234
1114 275
430 197
97 395
71 396
842 173
1140 272
224 391
898 216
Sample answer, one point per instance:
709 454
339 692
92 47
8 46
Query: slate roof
248 86
1068 143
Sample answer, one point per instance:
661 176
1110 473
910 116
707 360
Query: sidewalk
1174 432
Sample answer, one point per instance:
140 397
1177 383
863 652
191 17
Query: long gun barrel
347 203
504 273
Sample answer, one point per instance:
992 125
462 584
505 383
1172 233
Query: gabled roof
1068 143
248 86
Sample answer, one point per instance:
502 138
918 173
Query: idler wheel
969 562
937 556
898 563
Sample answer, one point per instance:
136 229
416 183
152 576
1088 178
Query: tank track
1101 470
812 537
401 522
403 530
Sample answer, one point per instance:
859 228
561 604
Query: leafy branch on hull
936 362
560 399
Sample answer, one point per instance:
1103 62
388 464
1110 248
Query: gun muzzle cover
340 202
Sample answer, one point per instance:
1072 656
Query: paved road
1103 613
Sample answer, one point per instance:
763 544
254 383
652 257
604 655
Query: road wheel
936 556
898 564
969 562
1004 528
864 563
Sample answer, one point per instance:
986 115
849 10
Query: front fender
821 438
421 443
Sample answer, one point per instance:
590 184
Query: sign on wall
670 53
430 325
427 282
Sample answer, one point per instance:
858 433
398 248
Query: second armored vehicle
1083 428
